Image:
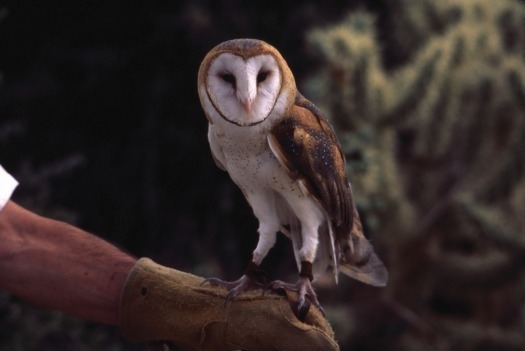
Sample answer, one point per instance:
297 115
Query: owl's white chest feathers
245 153
249 159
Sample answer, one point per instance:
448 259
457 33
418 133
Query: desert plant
435 153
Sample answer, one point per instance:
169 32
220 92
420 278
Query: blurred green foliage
435 154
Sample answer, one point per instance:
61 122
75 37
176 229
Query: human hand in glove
163 304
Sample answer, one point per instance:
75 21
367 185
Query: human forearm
58 266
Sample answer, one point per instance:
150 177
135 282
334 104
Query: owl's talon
304 289
300 303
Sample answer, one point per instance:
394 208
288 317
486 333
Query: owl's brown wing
307 147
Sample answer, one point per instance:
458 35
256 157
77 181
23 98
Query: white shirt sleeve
7 186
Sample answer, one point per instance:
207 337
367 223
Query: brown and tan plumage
285 157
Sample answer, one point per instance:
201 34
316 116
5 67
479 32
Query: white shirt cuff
7 186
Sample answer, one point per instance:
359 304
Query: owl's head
243 80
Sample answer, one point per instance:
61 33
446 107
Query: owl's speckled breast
250 161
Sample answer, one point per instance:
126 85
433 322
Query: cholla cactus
436 153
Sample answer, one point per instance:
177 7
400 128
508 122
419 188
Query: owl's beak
248 106
246 93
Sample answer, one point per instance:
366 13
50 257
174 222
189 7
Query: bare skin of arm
58 266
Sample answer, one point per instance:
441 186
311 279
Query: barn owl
281 151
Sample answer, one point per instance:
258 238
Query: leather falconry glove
163 304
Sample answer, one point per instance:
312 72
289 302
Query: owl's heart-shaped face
244 82
243 90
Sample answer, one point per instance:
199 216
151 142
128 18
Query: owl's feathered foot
253 278
303 287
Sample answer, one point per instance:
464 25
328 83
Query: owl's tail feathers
361 262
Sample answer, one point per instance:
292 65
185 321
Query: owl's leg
310 218
254 276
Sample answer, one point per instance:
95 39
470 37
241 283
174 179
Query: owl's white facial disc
244 91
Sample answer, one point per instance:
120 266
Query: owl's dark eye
228 78
261 76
